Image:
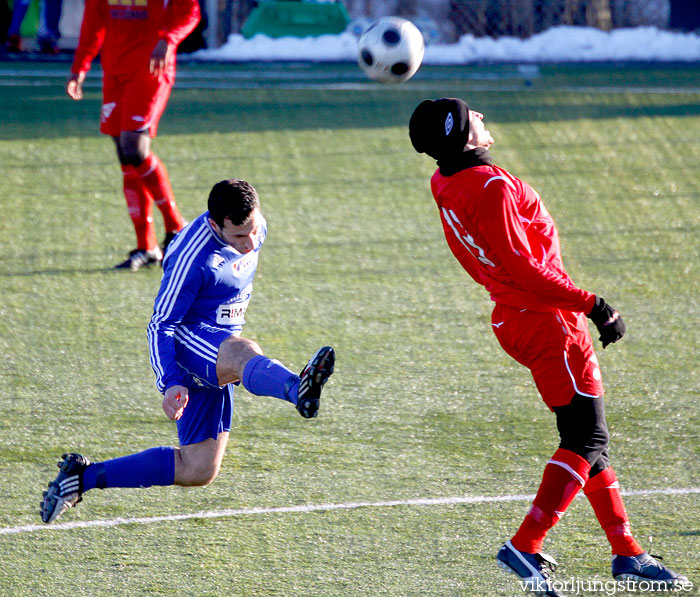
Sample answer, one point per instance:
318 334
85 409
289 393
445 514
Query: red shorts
133 103
556 347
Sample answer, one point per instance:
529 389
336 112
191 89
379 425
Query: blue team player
197 354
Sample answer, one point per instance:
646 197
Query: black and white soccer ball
390 50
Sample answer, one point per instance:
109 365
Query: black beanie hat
440 127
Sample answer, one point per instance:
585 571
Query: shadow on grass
64 272
34 112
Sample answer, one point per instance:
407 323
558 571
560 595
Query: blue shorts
196 349
208 412
210 407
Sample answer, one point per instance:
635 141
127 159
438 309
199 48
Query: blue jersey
206 282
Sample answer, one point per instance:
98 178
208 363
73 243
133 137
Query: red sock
565 474
138 202
155 179
603 492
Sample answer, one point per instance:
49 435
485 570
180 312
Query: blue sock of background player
19 11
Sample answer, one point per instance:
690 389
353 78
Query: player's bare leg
198 464
234 354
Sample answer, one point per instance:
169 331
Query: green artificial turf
423 405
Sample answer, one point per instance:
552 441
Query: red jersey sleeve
182 17
92 34
508 240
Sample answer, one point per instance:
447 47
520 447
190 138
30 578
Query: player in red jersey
501 233
137 42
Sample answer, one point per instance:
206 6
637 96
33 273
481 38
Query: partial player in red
501 233
137 42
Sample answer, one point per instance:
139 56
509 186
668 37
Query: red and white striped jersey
125 32
500 231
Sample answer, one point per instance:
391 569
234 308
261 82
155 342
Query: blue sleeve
182 280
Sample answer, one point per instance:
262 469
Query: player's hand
175 401
608 321
160 57
74 86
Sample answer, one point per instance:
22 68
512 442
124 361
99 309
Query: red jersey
125 32
500 231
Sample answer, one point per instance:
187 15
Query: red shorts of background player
133 103
557 349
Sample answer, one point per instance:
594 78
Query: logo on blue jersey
244 263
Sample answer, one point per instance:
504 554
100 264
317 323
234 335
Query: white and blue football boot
534 569
646 568
139 258
66 490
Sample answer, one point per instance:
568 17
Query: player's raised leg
242 359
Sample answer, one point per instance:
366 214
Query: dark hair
234 199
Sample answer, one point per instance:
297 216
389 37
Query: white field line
446 501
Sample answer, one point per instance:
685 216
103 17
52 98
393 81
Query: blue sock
150 467
266 377
18 13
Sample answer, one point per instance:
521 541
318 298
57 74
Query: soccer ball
390 50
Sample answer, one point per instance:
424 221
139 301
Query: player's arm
175 400
178 290
508 240
608 321
180 20
74 85
92 33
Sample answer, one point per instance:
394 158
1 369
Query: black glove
608 321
